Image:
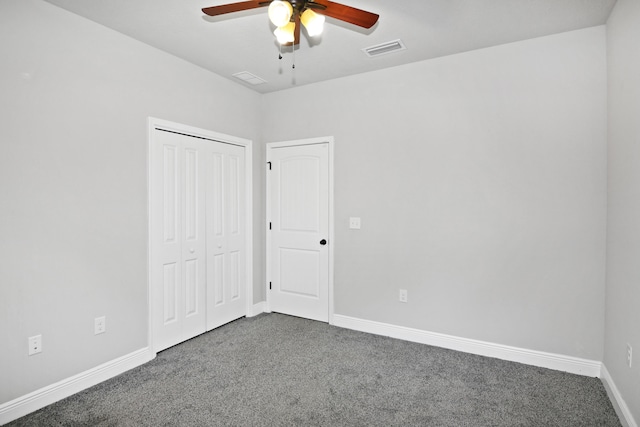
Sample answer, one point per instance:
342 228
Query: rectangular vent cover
384 48
247 77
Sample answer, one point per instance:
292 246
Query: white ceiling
244 41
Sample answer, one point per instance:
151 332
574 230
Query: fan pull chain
293 47
280 54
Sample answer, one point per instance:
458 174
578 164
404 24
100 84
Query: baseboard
256 309
31 402
616 399
557 362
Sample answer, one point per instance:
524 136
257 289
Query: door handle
323 242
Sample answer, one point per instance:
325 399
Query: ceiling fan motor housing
300 5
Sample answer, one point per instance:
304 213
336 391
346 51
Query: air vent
247 77
384 48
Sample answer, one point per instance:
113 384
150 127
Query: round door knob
323 242
192 250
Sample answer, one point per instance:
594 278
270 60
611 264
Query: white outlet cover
100 325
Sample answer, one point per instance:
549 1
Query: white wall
481 182
75 98
623 240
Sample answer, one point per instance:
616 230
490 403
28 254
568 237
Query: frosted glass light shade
313 22
285 34
280 13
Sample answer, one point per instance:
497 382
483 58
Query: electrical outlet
100 325
35 344
629 354
403 295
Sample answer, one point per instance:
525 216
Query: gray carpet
276 370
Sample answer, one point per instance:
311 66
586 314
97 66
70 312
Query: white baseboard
256 309
616 399
574 365
33 401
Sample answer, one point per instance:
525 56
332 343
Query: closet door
198 238
178 238
226 252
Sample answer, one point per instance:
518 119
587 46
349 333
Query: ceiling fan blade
234 7
349 14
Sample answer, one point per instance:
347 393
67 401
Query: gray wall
481 182
480 179
73 183
623 240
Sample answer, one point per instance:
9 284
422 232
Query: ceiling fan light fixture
285 33
280 12
313 22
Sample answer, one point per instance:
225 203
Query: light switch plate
354 223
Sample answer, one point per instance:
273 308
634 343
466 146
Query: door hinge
269 163
269 226
269 285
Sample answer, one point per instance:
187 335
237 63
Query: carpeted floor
276 370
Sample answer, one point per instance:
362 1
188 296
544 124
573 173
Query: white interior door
298 239
178 269
198 236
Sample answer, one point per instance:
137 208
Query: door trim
155 123
332 241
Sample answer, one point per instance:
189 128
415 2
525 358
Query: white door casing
200 273
300 233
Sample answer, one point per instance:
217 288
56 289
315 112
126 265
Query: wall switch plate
100 325
403 297
629 355
354 223
35 344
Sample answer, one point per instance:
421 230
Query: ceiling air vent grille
247 77
384 48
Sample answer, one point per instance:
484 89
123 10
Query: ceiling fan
288 14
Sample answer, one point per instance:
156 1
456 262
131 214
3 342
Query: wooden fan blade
234 7
349 14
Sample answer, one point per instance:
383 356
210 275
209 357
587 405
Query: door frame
293 143
155 123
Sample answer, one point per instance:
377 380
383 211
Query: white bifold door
197 236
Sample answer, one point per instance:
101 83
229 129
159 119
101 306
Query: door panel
299 216
170 295
304 280
299 194
170 186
